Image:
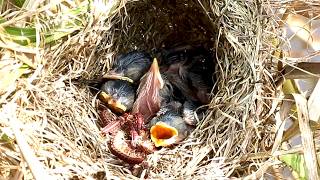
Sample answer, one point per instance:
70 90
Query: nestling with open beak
130 67
148 99
171 126
166 100
118 95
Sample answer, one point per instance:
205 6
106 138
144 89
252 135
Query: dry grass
58 118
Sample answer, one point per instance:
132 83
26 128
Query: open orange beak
163 134
114 105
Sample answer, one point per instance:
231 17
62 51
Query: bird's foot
111 127
106 116
134 137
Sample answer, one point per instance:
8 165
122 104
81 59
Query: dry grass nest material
58 117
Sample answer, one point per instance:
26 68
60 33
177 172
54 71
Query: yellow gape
163 134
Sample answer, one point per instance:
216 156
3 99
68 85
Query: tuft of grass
45 45
30 31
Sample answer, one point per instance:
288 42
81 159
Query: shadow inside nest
152 25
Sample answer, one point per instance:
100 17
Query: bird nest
58 116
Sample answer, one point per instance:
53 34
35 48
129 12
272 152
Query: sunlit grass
45 45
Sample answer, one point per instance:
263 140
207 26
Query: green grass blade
296 162
22 36
19 3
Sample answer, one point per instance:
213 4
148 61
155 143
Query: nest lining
67 134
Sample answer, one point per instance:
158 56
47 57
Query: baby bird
118 95
190 70
171 125
168 92
148 95
131 66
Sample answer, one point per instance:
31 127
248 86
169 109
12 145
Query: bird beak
154 69
117 107
114 105
104 97
148 100
112 75
163 134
